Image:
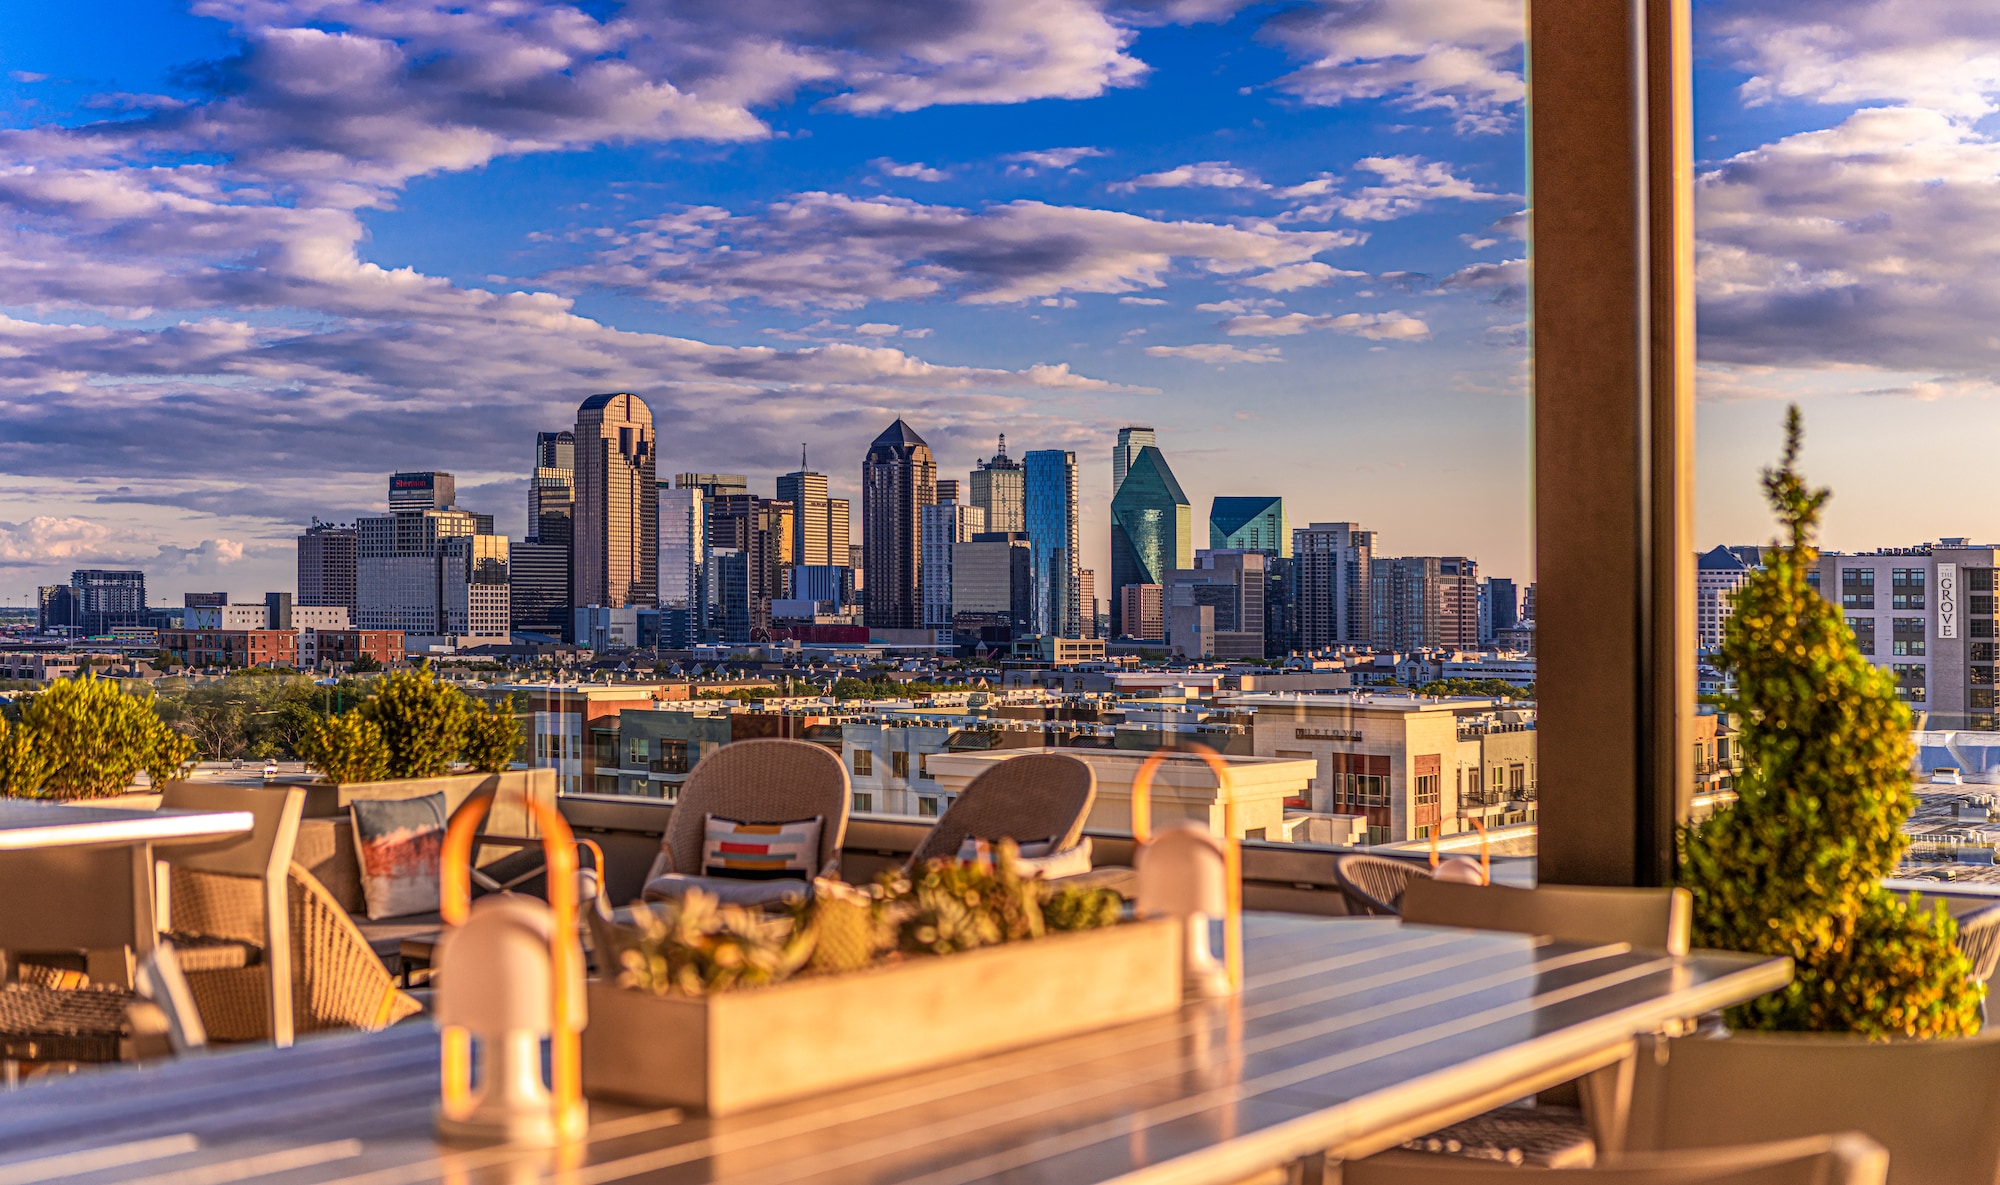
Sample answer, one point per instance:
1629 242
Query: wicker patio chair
1373 885
765 781
1028 799
336 980
54 1015
1979 941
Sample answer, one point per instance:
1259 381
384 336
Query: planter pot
325 800
736 1050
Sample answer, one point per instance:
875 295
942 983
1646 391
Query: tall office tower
414 572
1253 524
277 610
615 550
1142 610
713 485
1086 596
1216 608
1528 605
1500 607
1152 525
812 527
555 450
898 479
55 608
538 587
552 488
1330 569
1126 451
997 488
755 531
1281 609
422 491
326 566
109 599
1053 527
992 588
1417 601
945 524
683 547
1717 576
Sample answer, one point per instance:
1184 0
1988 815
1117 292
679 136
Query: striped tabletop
1349 1032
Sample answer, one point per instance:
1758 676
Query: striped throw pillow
761 851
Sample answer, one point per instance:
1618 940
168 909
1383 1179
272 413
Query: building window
864 802
923 765
635 751
927 806
1864 633
673 757
1979 605
1983 651
1427 789
1857 588
864 762
1910 681
899 764
1906 588
1368 789
1909 637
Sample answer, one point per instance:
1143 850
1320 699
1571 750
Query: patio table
1350 1036
62 864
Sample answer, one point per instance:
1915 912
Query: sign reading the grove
1947 600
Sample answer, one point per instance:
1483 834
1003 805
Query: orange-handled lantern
1189 873
509 970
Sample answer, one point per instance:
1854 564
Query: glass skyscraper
1053 527
898 479
1152 528
1250 524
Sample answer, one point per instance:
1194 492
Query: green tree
347 748
1794 866
422 720
1488 688
364 664
92 739
492 737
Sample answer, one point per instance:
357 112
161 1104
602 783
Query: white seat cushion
731 891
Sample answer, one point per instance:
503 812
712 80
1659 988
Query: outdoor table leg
1607 1101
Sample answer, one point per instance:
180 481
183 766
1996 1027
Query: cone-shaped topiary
1794 866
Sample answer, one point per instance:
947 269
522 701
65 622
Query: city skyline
1290 239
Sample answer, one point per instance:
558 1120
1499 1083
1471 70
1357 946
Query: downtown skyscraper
898 479
1053 529
1123 453
1152 527
998 489
615 559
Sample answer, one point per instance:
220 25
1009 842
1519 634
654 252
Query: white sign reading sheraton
1947 600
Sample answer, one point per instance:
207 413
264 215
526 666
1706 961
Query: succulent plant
850 928
1081 909
952 905
698 945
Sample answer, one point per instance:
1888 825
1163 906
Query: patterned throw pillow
1039 857
398 843
761 851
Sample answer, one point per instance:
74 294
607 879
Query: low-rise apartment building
232 647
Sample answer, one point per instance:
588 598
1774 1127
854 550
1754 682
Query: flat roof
1350 701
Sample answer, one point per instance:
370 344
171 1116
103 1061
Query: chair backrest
263 852
1027 799
1847 1158
1653 919
767 781
1979 939
1374 885
1930 1103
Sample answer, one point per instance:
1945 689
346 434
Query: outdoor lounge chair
1373 885
1844 1159
764 781
1033 798
1930 1103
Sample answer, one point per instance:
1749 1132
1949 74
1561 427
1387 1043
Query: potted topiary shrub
1794 867
85 738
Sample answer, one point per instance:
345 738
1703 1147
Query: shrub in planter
492 737
1794 866
88 739
422 721
347 748
21 768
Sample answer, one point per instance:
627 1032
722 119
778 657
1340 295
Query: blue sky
259 253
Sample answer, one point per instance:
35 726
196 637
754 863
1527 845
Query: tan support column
1611 175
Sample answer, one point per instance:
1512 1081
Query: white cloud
1505 282
1409 183
1940 54
917 171
1462 57
839 252
1047 158
1299 275
1391 326
1209 174
1238 307
1875 242
46 540
1218 353
1141 300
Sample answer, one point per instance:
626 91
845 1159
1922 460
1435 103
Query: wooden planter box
737 1050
